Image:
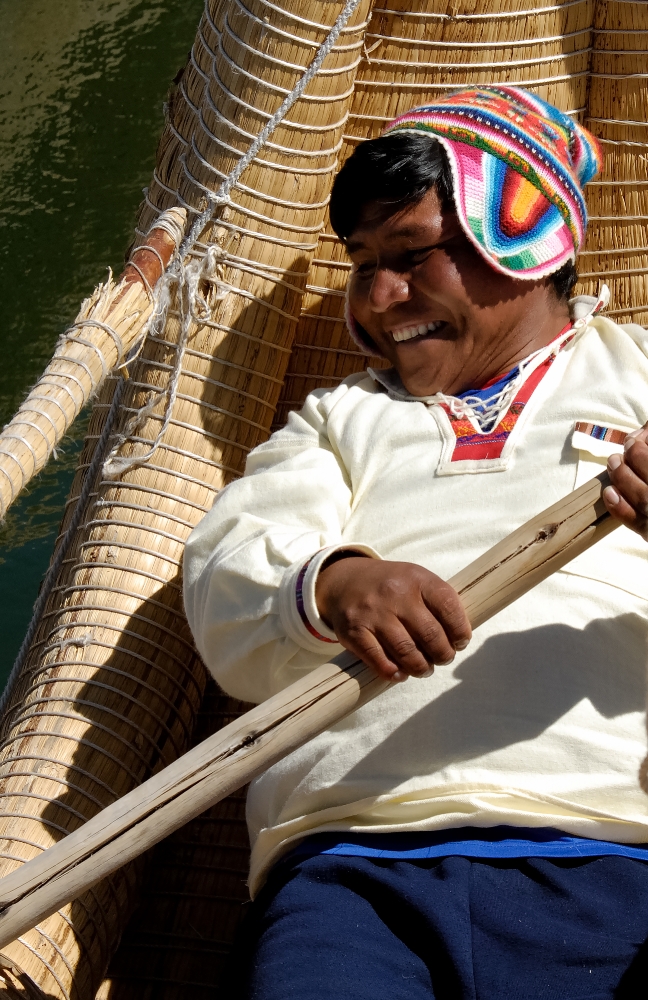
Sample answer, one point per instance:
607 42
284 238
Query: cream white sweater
541 721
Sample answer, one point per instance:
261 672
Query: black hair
398 169
393 170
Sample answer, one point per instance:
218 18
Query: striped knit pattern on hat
519 166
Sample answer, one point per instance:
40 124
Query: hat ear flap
522 205
587 154
358 334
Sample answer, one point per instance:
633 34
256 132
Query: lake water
82 84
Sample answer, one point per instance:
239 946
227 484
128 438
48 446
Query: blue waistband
471 842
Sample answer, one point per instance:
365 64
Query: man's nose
387 289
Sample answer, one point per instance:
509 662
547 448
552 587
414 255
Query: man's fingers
636 455
445 605
402 649
627 499
398 618
428 636
364 644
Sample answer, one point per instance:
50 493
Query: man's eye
367 268
418 256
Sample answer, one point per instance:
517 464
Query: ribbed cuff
297 604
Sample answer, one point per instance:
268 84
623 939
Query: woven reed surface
192 897
112 686
617 243
414 52
95 716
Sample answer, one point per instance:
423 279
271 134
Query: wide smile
412 332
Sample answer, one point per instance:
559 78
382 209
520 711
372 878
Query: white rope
496 15
489 412
222 196
248 136
185 278
437 43
267 25
466 67
616 121
273 199
404 84
335 71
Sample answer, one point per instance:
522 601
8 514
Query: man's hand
396 616
627 498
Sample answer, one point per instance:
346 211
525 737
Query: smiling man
479 832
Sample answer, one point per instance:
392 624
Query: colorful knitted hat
519 167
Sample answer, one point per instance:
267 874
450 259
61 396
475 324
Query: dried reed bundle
617 245
111 686
414 53
110 322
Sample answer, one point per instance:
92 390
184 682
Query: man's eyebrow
403 232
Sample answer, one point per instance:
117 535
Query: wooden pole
247 747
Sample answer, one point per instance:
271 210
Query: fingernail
399 677
461 645
444 663
614 461
628 443
611 495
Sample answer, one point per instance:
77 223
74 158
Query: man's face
445 319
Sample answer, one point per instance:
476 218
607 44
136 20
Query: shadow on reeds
21 987
195 881
142 706
237 407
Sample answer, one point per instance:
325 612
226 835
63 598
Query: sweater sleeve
251 564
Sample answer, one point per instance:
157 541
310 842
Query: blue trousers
455 928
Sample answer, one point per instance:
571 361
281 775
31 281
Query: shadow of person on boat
140 705
239 361
17 985
510 691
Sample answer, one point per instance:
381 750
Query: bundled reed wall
111 687
415 52
617 243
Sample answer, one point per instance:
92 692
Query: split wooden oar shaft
109 323
247 747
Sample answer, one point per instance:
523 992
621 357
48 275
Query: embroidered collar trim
480 441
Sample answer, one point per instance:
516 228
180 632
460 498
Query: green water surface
82 84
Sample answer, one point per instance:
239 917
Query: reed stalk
616 250
110 322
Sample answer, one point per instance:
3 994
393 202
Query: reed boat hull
111 687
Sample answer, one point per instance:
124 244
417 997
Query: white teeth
414 331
